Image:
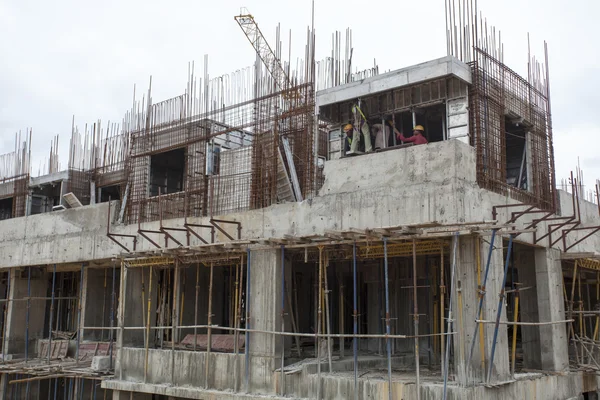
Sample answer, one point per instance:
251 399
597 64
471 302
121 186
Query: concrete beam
415 74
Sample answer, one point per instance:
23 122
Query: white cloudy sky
64 57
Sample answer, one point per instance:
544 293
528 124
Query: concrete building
239 252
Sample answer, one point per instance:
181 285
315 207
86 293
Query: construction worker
381 133
416 138
360 128
348 132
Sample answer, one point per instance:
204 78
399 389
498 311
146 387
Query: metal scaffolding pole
499 313
282 384
51 314
79 329
27 315
387 319
355 322
449 330
247 333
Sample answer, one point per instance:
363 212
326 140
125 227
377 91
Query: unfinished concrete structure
212 248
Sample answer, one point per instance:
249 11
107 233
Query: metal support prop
209 330
51 313
247 334
515 326
449 330
147 341
79 329
319 323
282 384
27 315
416 319
387 318
327 317
355 322
481 297
196 306
499 313
442 307
112 317
175 317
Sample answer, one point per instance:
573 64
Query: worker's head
418 130
348 129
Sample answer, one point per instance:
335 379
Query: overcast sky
67 57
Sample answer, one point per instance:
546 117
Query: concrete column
265 314
265 301
136 306
553 338
17 310
465 314
96 301
528 307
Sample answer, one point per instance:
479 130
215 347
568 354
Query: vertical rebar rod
51 314
387 317
282 384
27 315
355 322
449 330
499 313
79 330
247 333
209 333
416 318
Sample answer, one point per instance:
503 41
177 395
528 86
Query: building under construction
223 244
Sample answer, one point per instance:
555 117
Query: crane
250 28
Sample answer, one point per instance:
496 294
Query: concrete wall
414 185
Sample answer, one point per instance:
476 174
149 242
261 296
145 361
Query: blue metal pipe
78 340
355 327
27 315
247 334
482 296
500 301
51 314
387 317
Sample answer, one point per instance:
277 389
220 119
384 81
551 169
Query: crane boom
248 24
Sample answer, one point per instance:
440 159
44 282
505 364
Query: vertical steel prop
499 313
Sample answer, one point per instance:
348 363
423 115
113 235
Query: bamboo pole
515 326
196 306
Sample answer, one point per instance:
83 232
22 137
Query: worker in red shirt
416 138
